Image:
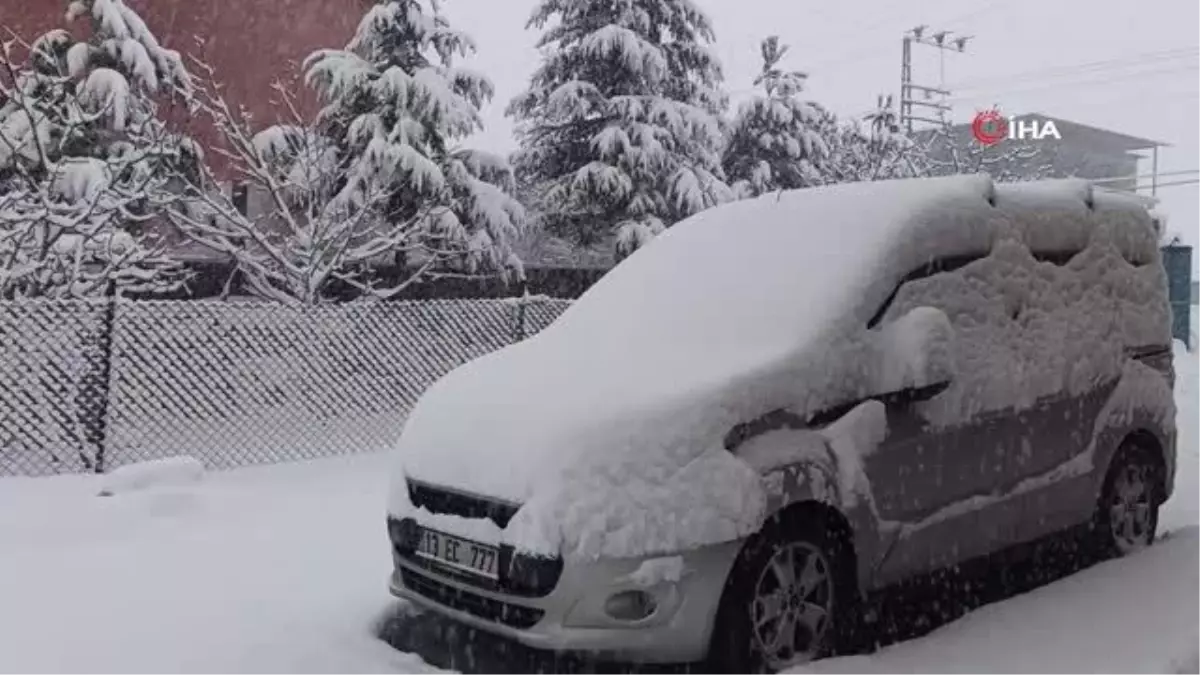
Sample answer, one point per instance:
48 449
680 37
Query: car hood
528 415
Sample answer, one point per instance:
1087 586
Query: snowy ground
283 569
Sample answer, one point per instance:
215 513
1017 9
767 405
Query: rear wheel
786 601
1127 515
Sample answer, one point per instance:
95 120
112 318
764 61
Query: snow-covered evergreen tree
620 126
396 108
84 159
873 148
775 141
374 180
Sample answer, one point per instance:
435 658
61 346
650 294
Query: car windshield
771 271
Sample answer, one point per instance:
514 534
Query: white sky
1024 57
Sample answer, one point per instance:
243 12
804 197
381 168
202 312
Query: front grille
520 574
441 500
513 616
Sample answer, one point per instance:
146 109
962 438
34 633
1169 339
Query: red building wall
249 43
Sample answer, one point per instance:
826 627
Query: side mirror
914 357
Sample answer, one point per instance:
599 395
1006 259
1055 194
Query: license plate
458 553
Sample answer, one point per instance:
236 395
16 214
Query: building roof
1095 138
1098 138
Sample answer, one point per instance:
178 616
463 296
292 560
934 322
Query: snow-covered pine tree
374 180
873 148
396 108
775 141
84 158
620 126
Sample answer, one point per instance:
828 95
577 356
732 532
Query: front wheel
787 599
1127 514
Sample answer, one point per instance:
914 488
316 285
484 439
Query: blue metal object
1178 261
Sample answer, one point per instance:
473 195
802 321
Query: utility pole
942 41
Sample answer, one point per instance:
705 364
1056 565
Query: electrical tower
942 41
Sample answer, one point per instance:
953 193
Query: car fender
1143 402
803 468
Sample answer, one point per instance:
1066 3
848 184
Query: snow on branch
120 32
378 175
620 128
955 151
84 161
332 219
627 48
777 141
872 148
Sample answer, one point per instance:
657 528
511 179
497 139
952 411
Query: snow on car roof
1060 215
772 268
785 263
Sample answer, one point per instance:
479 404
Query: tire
754 588
1126 515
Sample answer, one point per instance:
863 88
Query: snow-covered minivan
784 403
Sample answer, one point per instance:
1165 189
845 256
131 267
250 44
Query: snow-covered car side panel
1142 406
802 464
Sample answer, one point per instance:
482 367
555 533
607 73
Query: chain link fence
92 386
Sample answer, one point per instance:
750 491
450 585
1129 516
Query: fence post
519 322
95 389
519 329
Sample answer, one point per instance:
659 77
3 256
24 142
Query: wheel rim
1130 509
792 605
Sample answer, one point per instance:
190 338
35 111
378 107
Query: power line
1071 85
1171 184
1155 96
1083 69
858 30
1086 67
992 99
857 54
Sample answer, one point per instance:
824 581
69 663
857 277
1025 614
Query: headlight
404 533
529 575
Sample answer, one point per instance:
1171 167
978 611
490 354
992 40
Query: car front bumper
572 618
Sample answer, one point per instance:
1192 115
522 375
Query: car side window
925 271
998 305
950 264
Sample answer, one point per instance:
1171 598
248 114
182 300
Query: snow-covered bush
85 160
620 126
954 150
874 148
375 178
776 141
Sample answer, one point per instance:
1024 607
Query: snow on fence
93 386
